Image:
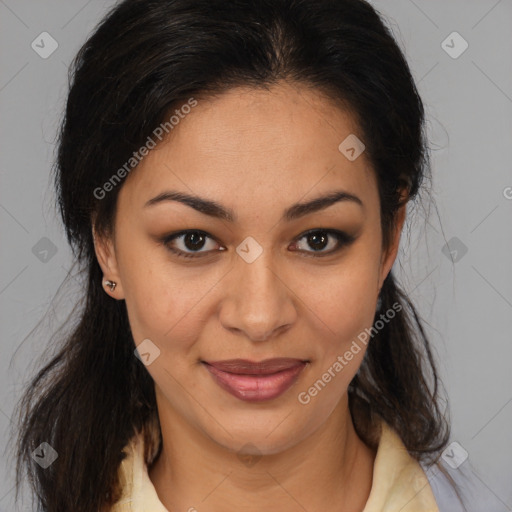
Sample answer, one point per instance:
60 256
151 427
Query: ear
106 256
389 256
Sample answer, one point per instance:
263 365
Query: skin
274 148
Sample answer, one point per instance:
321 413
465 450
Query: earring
110 284
379 303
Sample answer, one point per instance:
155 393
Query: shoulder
444 492
468 493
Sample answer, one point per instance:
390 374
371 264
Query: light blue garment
475 494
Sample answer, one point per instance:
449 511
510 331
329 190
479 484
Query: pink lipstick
256 381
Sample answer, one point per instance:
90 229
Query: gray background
466 300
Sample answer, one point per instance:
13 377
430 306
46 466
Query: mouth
256 381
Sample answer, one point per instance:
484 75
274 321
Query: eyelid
343 239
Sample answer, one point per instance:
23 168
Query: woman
233 178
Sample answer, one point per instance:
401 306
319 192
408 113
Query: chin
273 434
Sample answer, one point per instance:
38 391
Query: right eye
191 240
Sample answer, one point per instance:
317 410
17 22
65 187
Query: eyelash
344 239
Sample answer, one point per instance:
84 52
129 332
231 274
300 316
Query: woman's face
255 286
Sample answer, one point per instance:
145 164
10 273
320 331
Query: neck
332 469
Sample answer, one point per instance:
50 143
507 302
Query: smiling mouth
256 381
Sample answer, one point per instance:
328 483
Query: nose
259 302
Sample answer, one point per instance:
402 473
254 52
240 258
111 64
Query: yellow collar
399 482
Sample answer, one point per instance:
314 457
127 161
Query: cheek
349 306
341 315
156 314
166 304
342 311
345 303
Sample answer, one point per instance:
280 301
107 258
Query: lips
246 367
256 381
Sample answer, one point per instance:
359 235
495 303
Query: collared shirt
399 481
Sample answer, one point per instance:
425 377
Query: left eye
319 240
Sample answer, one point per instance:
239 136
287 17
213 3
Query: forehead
257 144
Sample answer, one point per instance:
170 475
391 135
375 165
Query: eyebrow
214 209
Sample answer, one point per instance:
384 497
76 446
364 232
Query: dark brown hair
144 58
